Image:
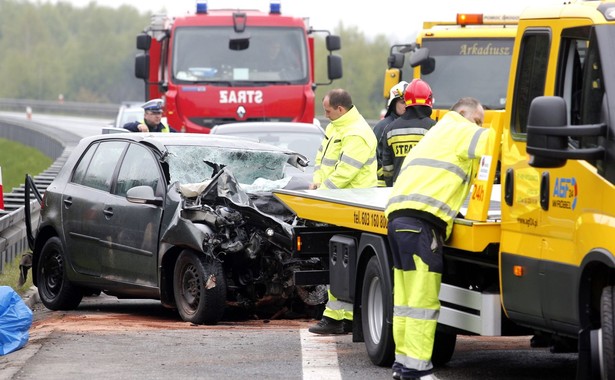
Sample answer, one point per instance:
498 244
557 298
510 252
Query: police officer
345 159
432 185
395 108
152 119
401 135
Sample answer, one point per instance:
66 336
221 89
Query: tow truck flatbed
363 209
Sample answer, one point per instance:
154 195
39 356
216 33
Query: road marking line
319 356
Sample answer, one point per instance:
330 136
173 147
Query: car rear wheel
56 292
199 287
376 315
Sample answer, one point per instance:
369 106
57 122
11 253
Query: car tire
54 288
376 316
199 287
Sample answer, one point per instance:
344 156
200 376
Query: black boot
327 326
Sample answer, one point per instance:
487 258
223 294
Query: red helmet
418 93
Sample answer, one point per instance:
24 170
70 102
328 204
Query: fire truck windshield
469 67
273 55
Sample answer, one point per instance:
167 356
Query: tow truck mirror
546 120
334 67
144 41
237 43
142 66
396 60
333 43
421 57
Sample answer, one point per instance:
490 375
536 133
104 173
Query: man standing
152 119
432 185
399 137
345 159
395 108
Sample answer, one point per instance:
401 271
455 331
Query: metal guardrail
107 110
13 240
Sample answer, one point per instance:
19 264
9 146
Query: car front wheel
56 292
199 287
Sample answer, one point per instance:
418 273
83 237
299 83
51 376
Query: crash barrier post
1 191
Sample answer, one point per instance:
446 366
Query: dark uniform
400 136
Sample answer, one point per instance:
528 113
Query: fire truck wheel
607 333
199 287
376 309
55 291
443 348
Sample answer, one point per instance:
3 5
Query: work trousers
416 247
336 309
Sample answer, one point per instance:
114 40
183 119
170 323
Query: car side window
139 168
82 167
99 171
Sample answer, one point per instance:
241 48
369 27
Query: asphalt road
134 339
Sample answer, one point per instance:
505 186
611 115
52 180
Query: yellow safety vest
347 155
437 173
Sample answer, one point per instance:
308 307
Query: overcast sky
395 19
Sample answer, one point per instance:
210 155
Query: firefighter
433 183
395 108
401 135
345 159
152 119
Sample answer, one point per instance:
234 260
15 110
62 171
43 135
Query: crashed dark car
186 219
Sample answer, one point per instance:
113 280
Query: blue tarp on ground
15 321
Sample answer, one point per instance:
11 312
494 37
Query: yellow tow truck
532 256
466 57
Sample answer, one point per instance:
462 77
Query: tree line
86 54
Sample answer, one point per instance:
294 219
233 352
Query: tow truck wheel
443 348
376 313
199 287
606 334
56 292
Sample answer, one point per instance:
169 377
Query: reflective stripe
416 313
316 168
370 160
388 168
406 131
328 161
474 143
437 164
339 305
351 161
430 201
408 362
329 184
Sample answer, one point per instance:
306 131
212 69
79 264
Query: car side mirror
143 195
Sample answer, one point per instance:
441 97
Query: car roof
264 126
160 140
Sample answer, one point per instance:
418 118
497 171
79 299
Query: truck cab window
531 75
580 80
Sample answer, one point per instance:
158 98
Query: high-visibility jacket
436 175
347 155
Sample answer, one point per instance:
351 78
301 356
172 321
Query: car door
131 253
83 214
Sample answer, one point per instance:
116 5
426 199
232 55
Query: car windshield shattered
251 168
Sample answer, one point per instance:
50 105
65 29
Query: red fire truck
225 65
